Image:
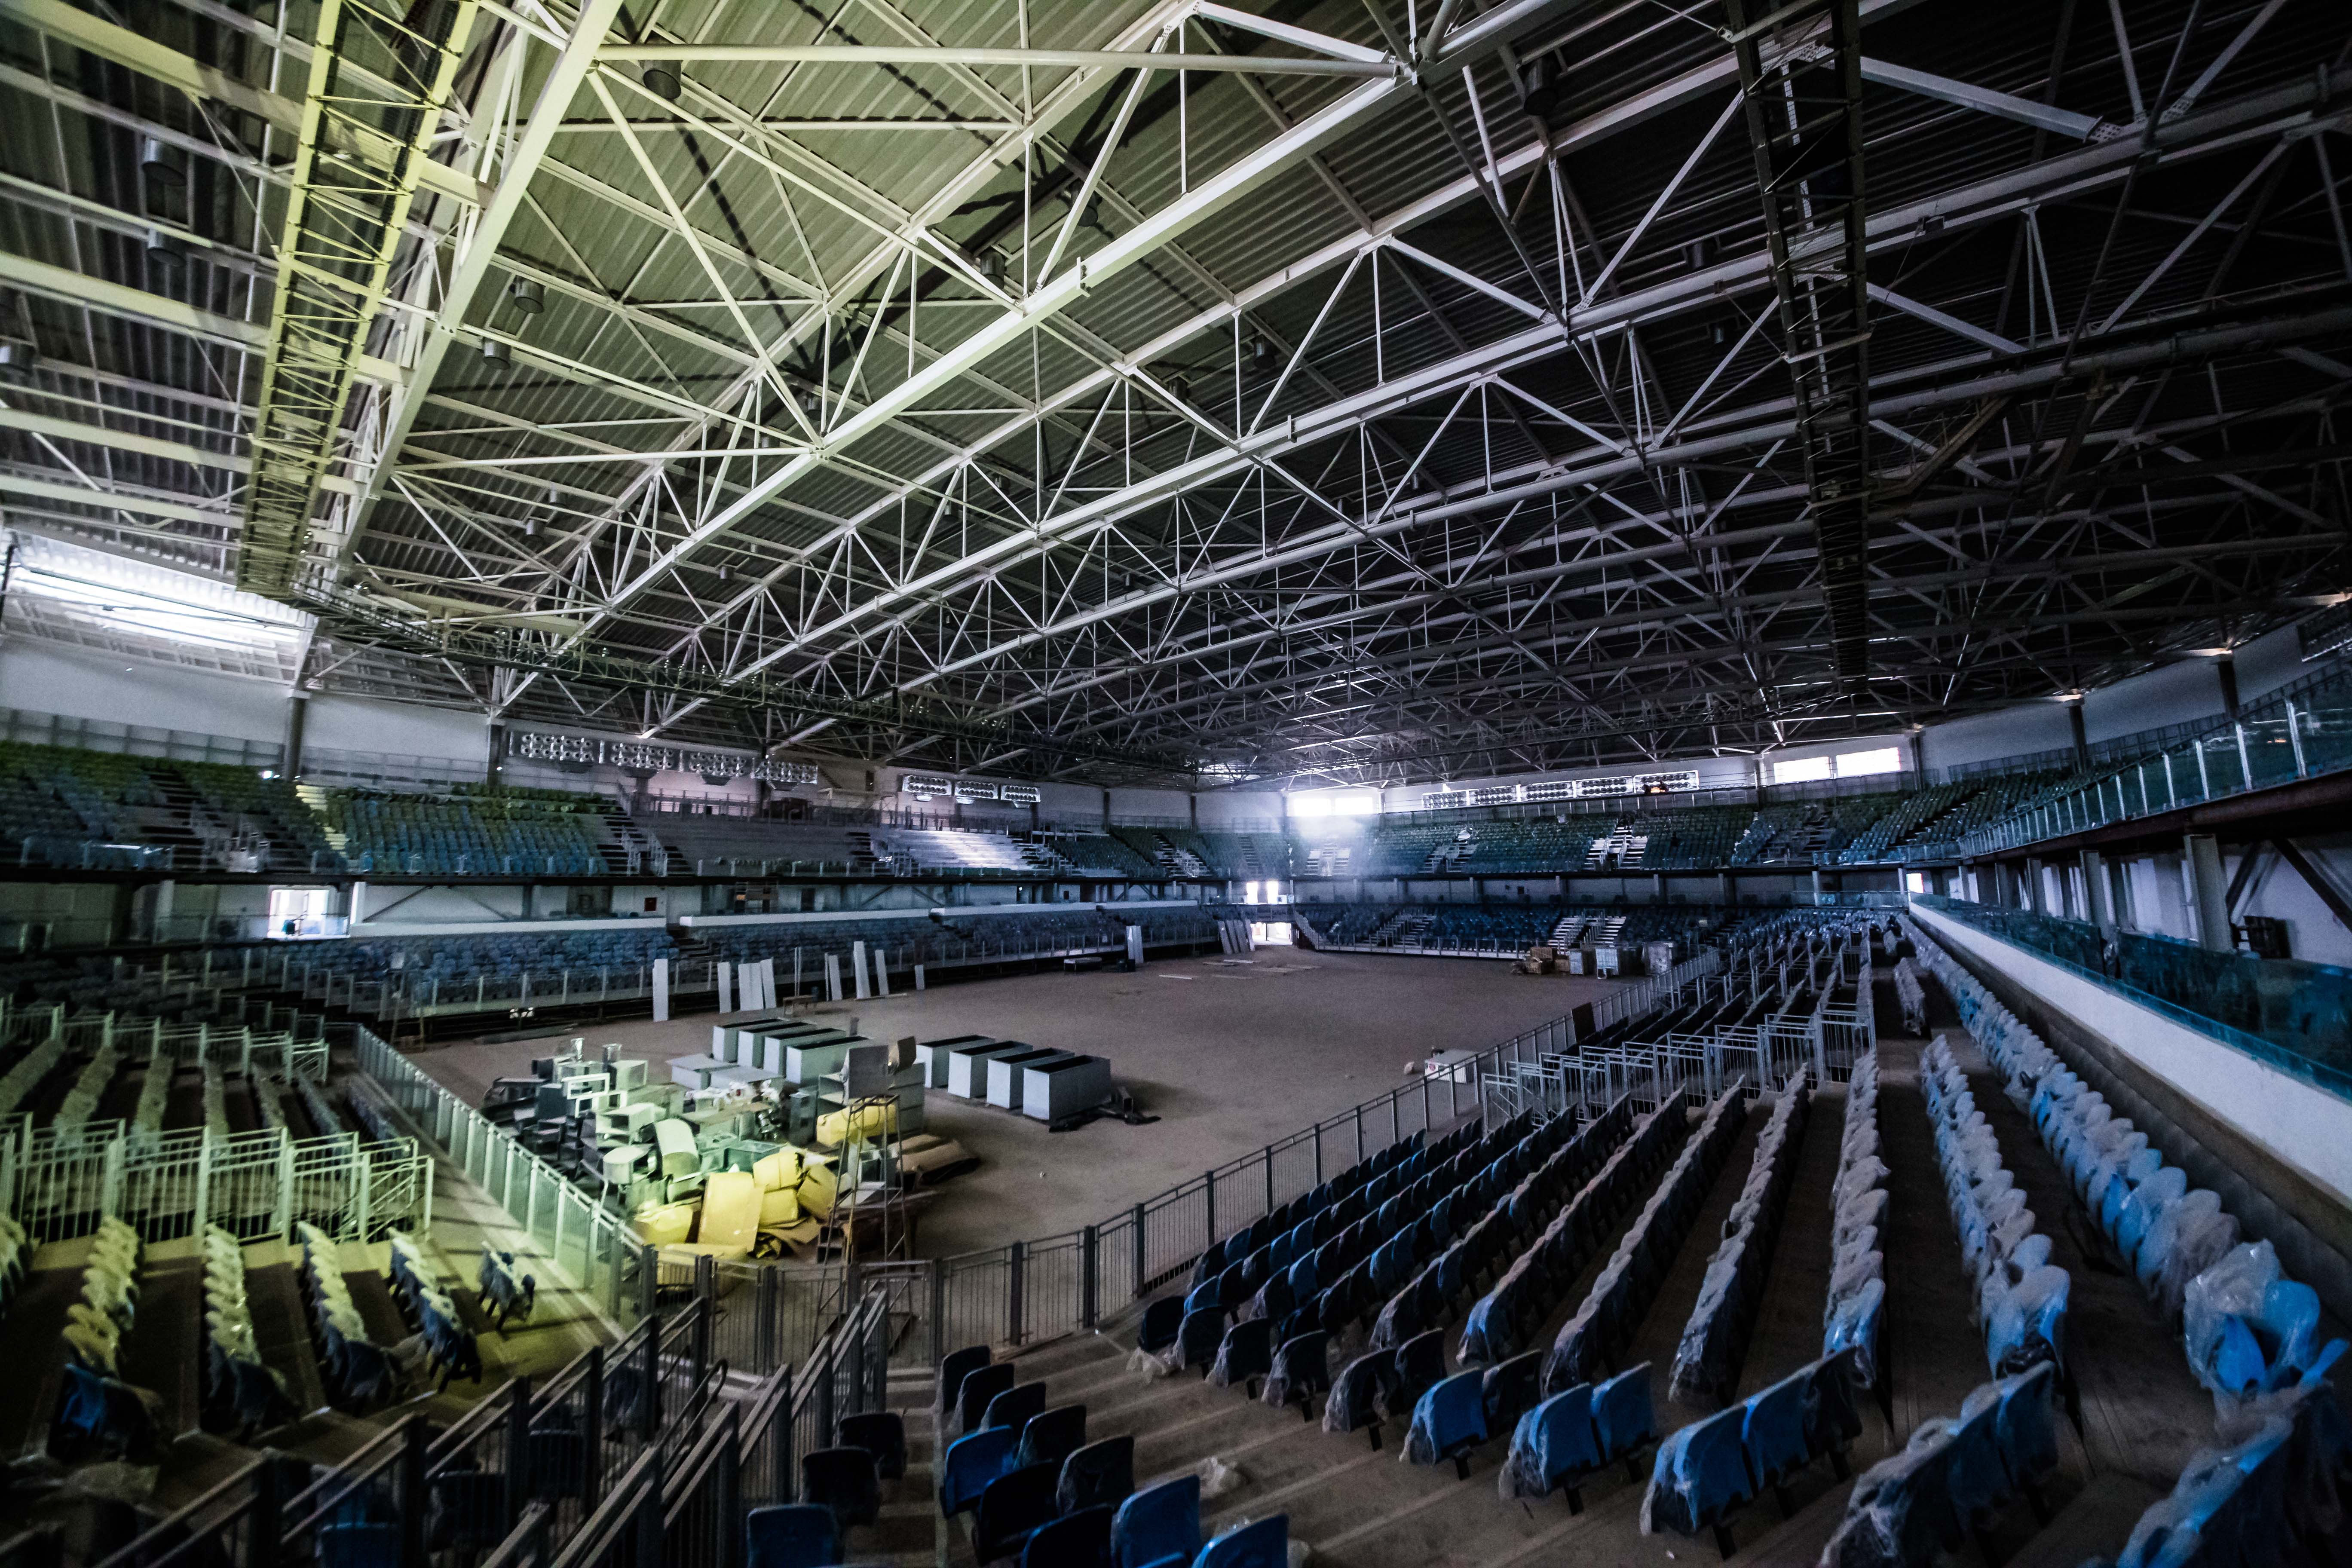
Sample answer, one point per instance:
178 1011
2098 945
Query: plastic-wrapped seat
1162 1319
2028 1324
1552 1448
979 1385
1010 1507
1301 1372
1101 1473
790 1535
1261 1544
1156 1523
1364 1386
1856 1328
1198 1338
1975 1478
1772 1431
844 1480
2181 1240
1420 1363
2168 1187
1511 1387
1448 1421
1699 1477
1051 1437
880 1432
1015 1405
1623 1421
1900 1513
1245 1355
1079 1540
2025 1428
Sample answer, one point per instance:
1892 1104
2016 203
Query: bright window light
1855 764
1336 803
1810 770
1249 892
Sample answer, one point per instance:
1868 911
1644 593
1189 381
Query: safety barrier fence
545 1455
2302 731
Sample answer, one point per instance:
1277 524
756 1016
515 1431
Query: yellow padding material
779 1206
817 1189
781 1169
664 1224
731 1210
870 1121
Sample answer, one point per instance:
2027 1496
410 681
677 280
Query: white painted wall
50 680
2302 1127
404 729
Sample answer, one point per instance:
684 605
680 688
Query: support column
1722 888
2004 884
2208 892
2034 890
2098 896
2075 723
297 713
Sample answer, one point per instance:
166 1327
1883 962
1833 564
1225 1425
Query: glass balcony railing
2296 1016
2297 733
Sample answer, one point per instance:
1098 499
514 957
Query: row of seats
2247 1329
325 1120
1470 1228
1630 1155
359 1373
2021 1297
2274 1497
81 1101
216 1101
1714 1340
1709 1469
1589 1343
99 1414
110 1299
450 1345
242 1393
27 1075
1911 997
1026 1474
507 1293
1363 1189
1856 1312
1953 1476
154 1096
371 1109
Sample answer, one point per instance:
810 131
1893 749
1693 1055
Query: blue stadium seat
1772 1431
972 1461
1699 1477
1301 1372
1554 1447
1157 1522
1010 1507
790 1535
1101 1473
1262 1543
1079 1540
1511 1387
1448 1421
844 1480
1622 1420
1051 1437
1360 1393
1246 1356
980 1386
1015 1405
954 1367
1199 1337
1420 1362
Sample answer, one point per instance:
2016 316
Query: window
1884 759
1809 770
1249 892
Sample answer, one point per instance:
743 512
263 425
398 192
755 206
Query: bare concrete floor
1229 1054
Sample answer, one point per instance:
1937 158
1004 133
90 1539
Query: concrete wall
2283 1145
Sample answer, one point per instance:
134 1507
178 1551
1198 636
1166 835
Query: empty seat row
1469 1230
98 1414
2020 1298
1708 1470
1597 1336
1025 1472
2247 1330
30 1068
81 1102
155 1095
1366 1186
507 1292
1715 1340
2276 1497
1854 1315
216 1101
358 1371
840 1488
325 1120
450 1345
1531 1288
1911 997
242 1393
110 1299
1953 1476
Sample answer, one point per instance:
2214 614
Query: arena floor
1194 1039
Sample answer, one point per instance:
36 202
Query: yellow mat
731 1209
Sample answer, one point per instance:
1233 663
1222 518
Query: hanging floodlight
18 356
495 351
527 297
161 164
663 83
165 248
